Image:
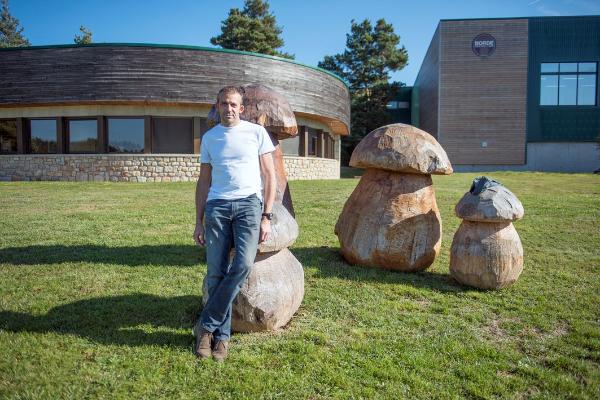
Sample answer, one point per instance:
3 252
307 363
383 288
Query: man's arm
267 171
202 188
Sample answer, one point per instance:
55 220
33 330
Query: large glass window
586 90
549 90
83 135
8 136
125 135
567 90
43 135
172 135
568 84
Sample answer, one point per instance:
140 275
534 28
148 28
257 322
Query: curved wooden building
137 112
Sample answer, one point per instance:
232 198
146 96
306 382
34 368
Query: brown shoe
220 351
203 342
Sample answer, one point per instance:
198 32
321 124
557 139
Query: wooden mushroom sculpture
391 220
274 289
486 251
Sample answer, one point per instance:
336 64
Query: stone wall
137 168
100 167
306 168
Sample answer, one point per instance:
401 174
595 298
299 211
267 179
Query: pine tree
10 32
253 29
372 52
85 37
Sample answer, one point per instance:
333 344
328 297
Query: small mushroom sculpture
274 289
486 251
391 220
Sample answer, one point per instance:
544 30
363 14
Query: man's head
230 104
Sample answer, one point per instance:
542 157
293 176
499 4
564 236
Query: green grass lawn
100 283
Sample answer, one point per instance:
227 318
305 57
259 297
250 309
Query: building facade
137 112
513 93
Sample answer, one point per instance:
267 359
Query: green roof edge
178 46
534 17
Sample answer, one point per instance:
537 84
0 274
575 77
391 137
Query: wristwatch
269 216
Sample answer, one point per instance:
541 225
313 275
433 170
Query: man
236 162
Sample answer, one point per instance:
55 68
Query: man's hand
265 230
199 235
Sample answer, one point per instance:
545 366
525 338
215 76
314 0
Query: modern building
513 93
137 112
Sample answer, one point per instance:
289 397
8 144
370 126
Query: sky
311 28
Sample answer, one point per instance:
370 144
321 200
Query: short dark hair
231 89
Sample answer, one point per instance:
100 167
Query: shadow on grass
132 320
330 264
167 254
351 173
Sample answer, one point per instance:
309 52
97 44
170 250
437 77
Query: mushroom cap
266 107
494 203
401 148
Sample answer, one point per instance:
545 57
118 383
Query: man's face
230 106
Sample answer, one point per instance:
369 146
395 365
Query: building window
568 84
291 146
398 105
83 135
43 136
125 135
330 153
312 142
8 136
172 135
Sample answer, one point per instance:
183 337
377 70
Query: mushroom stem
391 220
486 255
282 189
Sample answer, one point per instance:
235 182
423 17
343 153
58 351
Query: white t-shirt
233 152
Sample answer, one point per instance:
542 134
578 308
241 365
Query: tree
252 29
85 37
372 52
10 32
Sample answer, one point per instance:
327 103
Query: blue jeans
227 224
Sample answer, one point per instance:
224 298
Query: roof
176 46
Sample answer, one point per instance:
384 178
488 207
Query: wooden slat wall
483 99
427 85
170 75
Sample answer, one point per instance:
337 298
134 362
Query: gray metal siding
561 39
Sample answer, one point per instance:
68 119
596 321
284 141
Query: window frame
56 133
153 131
142 117
16 137
560 73
68 134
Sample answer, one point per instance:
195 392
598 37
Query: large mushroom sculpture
274 289
391 220
486 251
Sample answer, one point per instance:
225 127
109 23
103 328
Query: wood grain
106 74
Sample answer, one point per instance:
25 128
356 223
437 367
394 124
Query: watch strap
269 216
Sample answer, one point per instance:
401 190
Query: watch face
269 216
